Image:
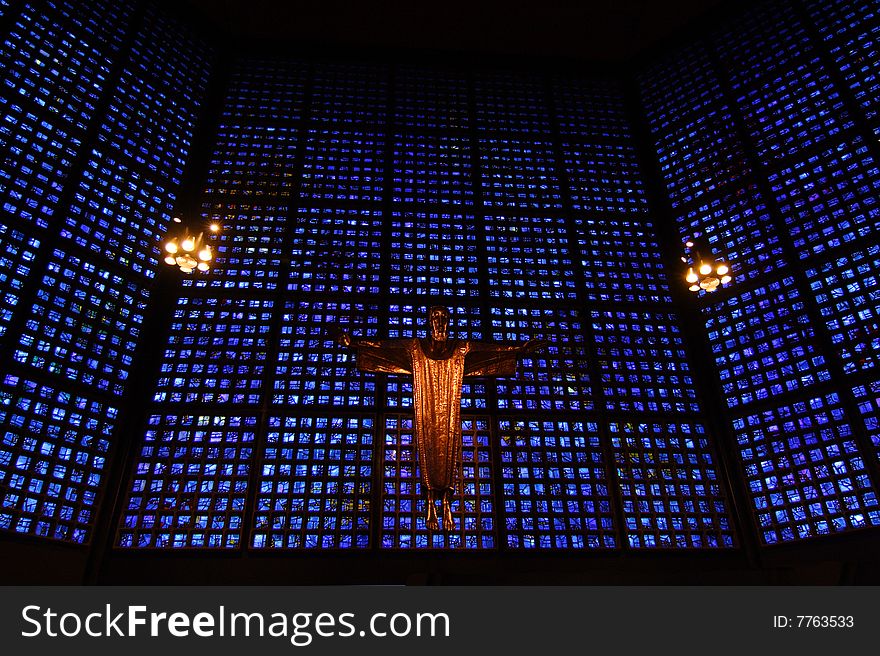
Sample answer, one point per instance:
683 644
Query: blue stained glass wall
354 196
99 106
56 62
765 133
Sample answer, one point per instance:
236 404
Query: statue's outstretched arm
497 359
377 355
530 346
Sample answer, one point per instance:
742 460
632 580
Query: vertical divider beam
148 356
699 353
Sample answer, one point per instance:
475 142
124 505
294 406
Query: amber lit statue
437 364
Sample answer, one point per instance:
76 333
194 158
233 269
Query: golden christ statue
437 364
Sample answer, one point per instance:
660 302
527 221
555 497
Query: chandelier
704 272
187 250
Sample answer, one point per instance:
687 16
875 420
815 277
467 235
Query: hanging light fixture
187 250
704 272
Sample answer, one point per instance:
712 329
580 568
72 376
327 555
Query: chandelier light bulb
689 244
205 254
186 261
705 268
170 260
215 227
722 269
691 275
188 244
694 288
171 246
725 280
203 266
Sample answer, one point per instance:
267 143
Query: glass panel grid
867 397
763 41
404 501
604 178
56 62
315 484
850 30
517 173
431 99
554 378
555 485
312 369
216 352
253 160
697 149
248 252
264 91
432 169
155 105
124 201
680 86
336 250
804 471
643 362
621 261
590 109
17 253
189 485
847 291
511 103
343 165
701 156
830 198
797 109
528 258
118 213
787 100
670 492
764 344
434 253
53 453
738 227
84 325
346 93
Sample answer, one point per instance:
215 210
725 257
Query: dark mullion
485 304
797 268
382 410
279 295
697 349
599 410
146 364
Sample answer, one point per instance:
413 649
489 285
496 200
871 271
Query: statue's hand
340 336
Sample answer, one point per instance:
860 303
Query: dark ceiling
612 30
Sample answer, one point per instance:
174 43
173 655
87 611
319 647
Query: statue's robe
438 369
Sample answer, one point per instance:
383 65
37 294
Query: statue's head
438 318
